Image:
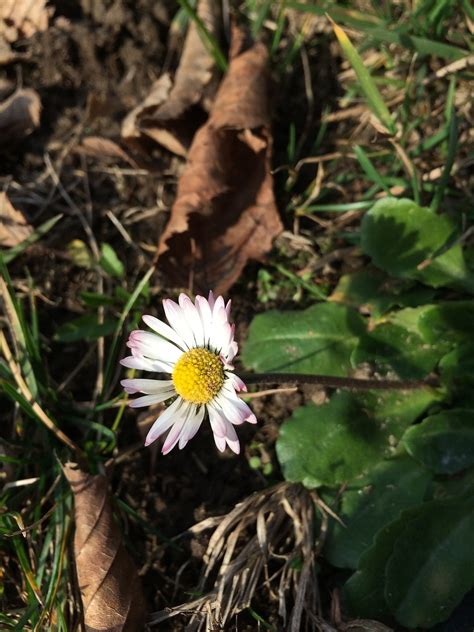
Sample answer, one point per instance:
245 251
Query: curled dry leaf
23 18
225 211
102 149
108 581
172 112
19 115
14 227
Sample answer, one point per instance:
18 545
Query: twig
359 384
269 391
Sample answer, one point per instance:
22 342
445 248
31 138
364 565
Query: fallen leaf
19 115
14 227
103 148
23 18
111 593
173 111
225 211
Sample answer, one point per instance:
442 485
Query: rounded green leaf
399 235
392 348
458 364
370 503
375 292
432 564
451 322
364 592
319 339
334 443
443 442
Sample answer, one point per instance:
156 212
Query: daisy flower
196 349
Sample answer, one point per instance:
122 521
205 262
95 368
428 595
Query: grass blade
208 38
11 253
367 84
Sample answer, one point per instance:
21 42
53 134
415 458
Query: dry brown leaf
225 211
102 148
19 115
23 18
171 113
14 227
111 593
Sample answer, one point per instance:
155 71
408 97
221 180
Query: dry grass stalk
267 541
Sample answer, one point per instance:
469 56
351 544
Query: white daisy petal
164 330
164 421
144 364
210 299
191 314
218 305
217 420
150 387
235 410
148 400
192 425
220 443
231 438
175 317
176 429
205 313
152 346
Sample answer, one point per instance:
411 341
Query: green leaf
370 503
94 299
319 339
399 235
459 364
449 321
364 592
110 263
443 442
392 348
432 564
373 291
84 328
334 443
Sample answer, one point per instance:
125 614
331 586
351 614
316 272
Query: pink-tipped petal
164 330
149 400
152 346
193 319
150 387
173 435
175 316
217 421
192 425
237 383
210 299
164 421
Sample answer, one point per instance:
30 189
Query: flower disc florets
196 349
198 376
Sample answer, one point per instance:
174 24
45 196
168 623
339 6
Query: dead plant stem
359 384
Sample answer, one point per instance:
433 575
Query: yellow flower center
198 376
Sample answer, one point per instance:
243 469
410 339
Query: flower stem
355 383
